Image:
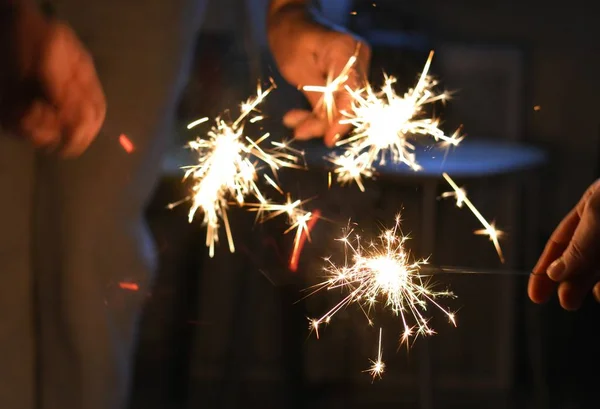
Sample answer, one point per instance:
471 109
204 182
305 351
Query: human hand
50 93
310 53
572 256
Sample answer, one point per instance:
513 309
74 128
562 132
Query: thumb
582 255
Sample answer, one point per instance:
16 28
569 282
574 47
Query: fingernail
556 271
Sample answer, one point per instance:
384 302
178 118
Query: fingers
307 125
343 103
596 292
576 269
571 256
559 240
335 132
357 77
40 124
327 111
311 127
73 88
295 117
581 255
571 294
541 287
80 126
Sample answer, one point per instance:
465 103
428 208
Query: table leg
428 229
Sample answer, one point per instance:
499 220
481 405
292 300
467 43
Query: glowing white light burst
385 124
377 365
332 86
227 167
381 272
297 217
489 228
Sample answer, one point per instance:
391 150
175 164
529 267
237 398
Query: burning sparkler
382 272
298 218
377 365
489 228
385 124
227 167
332 86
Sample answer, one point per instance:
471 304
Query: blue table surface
475 157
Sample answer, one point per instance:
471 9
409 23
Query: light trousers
72 230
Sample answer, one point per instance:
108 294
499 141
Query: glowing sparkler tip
385 124
382 273
377 366
489 229
227 167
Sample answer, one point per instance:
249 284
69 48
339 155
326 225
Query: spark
295 257
377 365
227 167
332 86
298 219
489 228
197 122
126 143
460 194
382 273
386 124
128 286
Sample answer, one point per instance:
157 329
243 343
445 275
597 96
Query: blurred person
570 262
71 230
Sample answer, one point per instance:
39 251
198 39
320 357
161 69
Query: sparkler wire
429 269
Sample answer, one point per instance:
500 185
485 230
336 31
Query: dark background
228 332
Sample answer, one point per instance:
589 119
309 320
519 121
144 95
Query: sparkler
385 125
228 167
298 218
377 365
332 86
489 228
382 272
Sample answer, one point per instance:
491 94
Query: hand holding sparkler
321 61
386 126
572 256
